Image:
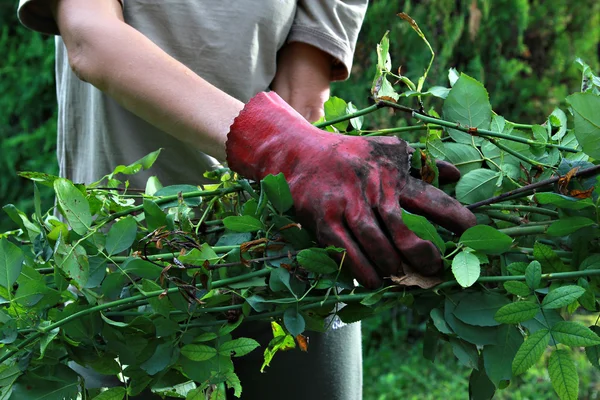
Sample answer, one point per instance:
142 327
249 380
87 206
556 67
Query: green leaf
561 201
437 316
562 296
383 89
11 263
548 258
431 341
515 313
317 260
155 216
476 185
294 322
114 393
196 394
334 108
354 313
593 352
574 334
563 375
74 205
142 268
517 288
278 192
486 239
464 157
244 223
558 118
163 356
198 352
467 104
356 122
567 225
517 268
198 257
497 358
121 236
233 382
540 135
9 374
238 347
466 353
281 280
480 385
585 108
423 229
466 268
479 308
530 351
479 335
73 261
533 275
30 388
46 339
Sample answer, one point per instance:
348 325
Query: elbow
80 63
85 51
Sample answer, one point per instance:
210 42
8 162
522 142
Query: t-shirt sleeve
332 26
36 15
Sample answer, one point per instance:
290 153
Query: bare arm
111 55
302 78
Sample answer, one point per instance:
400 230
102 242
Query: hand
348 190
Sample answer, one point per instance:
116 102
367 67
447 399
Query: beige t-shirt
232 44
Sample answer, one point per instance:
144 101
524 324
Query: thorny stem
317 300
517 154
515 219
401 129
486 132
525 230
166 199
529 189
351 298
529 250
519 208
347 117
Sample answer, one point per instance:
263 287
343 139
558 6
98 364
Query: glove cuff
267 136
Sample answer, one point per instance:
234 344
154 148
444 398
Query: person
189 77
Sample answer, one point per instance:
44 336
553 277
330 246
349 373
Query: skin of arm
123 63
303 78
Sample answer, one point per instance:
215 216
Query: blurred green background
523 51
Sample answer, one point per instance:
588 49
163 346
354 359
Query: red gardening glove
348 190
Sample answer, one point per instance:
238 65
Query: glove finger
374 242
448 173
421 255
360 267
421 198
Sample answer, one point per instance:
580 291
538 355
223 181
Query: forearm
130 68
303 77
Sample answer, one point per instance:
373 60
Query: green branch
531 188
383 132
525 230
487 133
174 197
347 117
519 208
517 154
